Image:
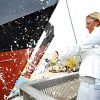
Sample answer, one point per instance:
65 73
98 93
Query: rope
71 21
72 25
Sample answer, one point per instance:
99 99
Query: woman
90 53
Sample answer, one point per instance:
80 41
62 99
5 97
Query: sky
63 31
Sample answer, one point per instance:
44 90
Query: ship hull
18 39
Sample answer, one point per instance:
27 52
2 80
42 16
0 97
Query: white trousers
89 91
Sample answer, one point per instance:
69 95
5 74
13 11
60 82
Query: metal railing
63 88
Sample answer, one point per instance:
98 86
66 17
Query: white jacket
90 54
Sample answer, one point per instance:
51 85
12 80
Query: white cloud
79 9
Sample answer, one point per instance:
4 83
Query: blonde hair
95 15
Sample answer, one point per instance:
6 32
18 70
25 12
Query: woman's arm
78 49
